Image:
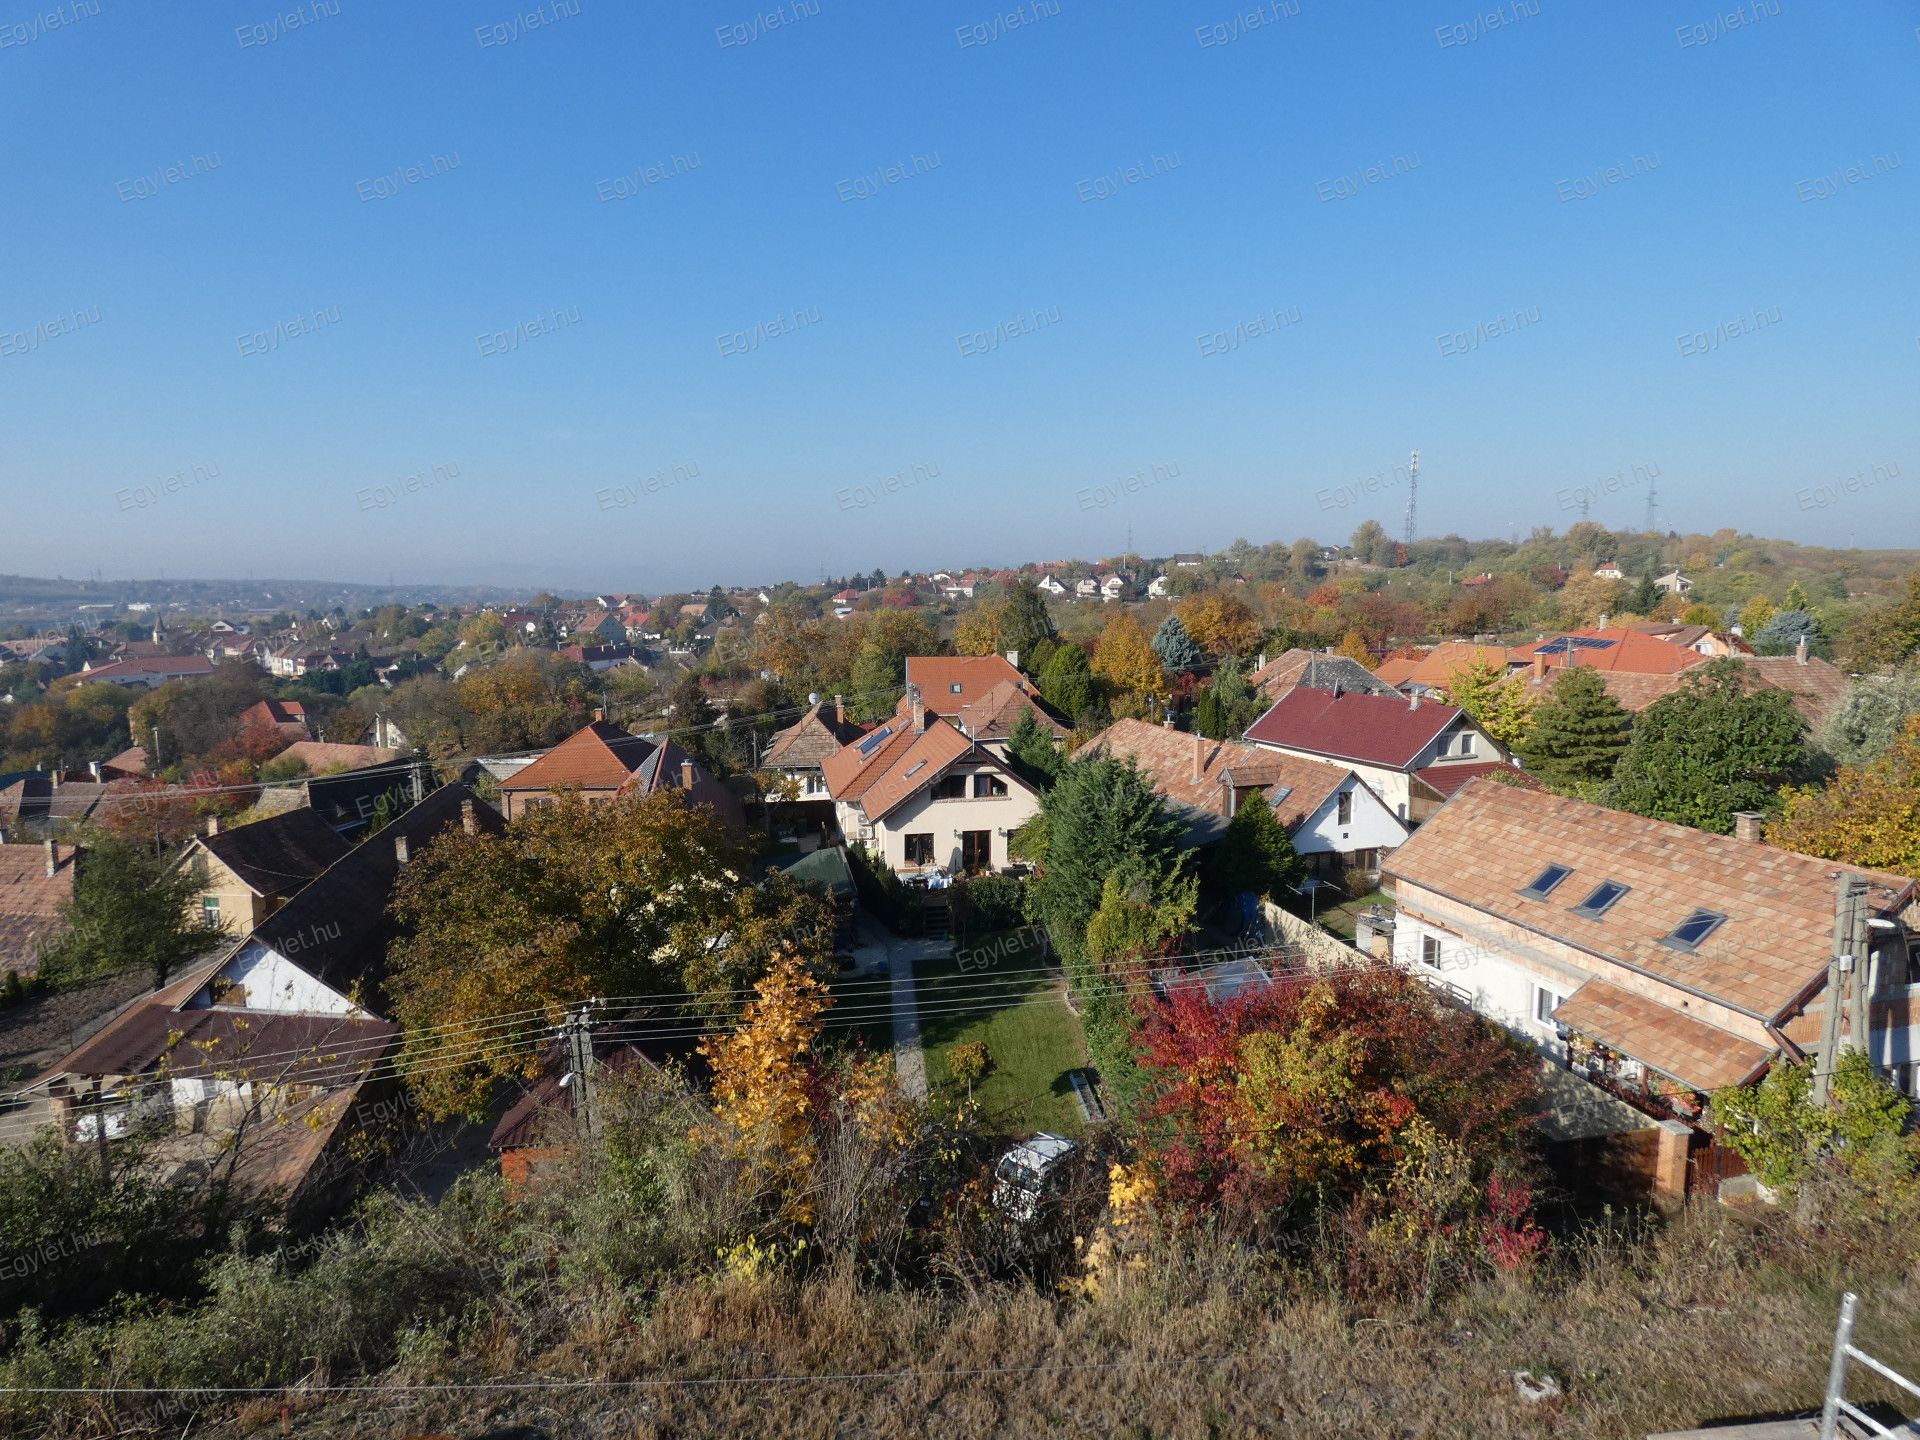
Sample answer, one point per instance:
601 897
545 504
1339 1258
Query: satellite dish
813 697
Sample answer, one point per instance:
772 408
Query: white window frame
1432 951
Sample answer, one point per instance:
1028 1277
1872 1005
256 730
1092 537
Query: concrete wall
1321 947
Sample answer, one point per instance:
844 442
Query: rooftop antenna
1586 505
1413 495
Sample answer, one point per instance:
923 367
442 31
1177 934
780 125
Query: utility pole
1653 508
1859 1020
577 1031
1848 892
1413 499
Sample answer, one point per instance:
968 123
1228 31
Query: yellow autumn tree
1865 815
1221 622
978 631
1124 657
761 1073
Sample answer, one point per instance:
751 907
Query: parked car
1030 1173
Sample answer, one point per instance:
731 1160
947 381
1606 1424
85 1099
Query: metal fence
1845 1355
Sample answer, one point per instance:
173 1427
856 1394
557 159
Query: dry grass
1723 1315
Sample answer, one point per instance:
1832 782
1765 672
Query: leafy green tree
1871 716
1179 652
1576 735
1256 855
1786 1137
131 909
1143 913
1229 705
1068 683
1890 635
1480 688
1716 746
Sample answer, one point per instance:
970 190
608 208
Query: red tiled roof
1625 649
598 756
1370 729
151 665
948 682
914 768
1436 668
30 901
993 715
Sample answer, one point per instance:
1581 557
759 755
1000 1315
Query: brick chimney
919 709
1746 825
468 822
1199 755
400 848
1539 668
53 859
1800 650
839 710
686 775
599 713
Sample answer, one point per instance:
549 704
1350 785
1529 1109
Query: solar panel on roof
1568 643
867 745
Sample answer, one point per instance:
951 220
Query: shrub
990 902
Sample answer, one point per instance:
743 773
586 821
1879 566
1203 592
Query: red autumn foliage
1296 1095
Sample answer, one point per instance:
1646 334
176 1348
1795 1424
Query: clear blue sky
1503 123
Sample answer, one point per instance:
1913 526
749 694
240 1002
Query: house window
1345 815
1430 951
1466 743
920 849
950 787
210 909
1688 934
1544 882
976 850
1604 897
955 687
988 786
1545 1002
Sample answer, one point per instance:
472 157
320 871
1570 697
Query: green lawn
1339 918
862 1013
1004 999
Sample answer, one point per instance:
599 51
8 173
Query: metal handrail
1845 1352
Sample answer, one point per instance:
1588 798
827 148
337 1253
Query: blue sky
1024 331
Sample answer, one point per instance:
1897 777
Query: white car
1028 1172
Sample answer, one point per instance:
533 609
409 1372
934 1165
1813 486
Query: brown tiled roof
1372 729
277 856
131 761
666 768
860 762
30 901
810 740
319 756
320 1050
1679 1045
1817 687
180 665
974 675
1491 840
598 756
993 715
1167 758
1444 780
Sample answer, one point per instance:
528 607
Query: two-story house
247 872
926 796
1665 961
794 755
1333 818
1412 753
600 760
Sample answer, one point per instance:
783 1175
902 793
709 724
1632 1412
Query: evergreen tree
1024 622
1228 706
1577 734
1256 856
1782 634
1067 684
1179 653
1031 747
1646 596
1715 747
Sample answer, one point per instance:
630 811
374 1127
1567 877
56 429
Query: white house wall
275 983
945 820
1373 826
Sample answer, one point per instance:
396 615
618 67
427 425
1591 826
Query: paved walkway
880 950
